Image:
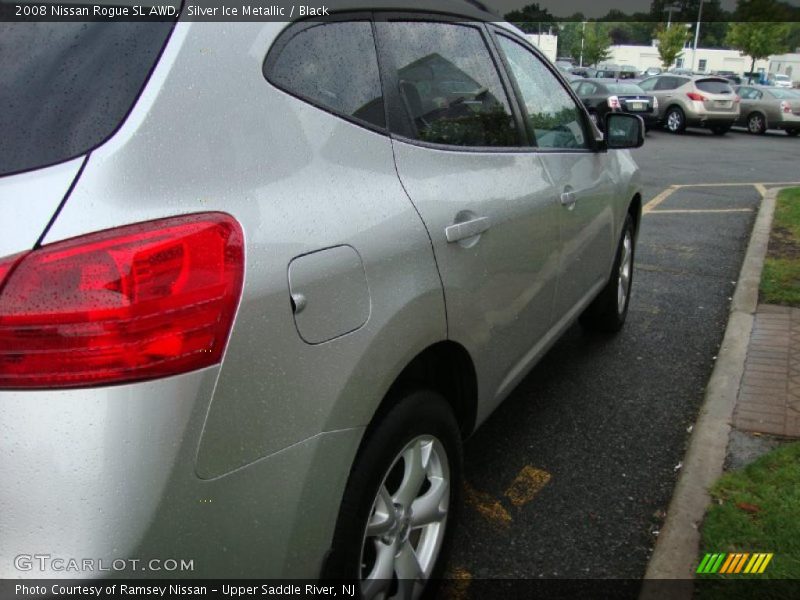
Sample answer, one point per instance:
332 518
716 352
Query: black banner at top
533 11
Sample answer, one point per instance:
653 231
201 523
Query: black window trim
396 117
295 28
594 144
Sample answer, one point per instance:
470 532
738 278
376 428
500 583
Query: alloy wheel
406 526
674 121
755 124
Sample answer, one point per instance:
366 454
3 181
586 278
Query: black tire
419 415
792 132
720 129
605 313
674 120
756 123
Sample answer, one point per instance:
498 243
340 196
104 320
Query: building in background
706 60
545 42
786 64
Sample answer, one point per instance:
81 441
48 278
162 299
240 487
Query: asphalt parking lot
571 476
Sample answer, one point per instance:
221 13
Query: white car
781 81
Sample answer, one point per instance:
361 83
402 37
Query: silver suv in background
694 101
260 280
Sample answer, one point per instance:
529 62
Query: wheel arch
635 211
444 367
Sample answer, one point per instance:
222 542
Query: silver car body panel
29 200
242 466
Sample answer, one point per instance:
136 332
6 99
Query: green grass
757 509
780 280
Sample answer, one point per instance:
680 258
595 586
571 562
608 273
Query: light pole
669 10
697 32
583 34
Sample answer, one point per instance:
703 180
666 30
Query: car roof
710 78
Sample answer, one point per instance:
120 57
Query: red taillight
613 103
786 107
737 98
695 96
132 303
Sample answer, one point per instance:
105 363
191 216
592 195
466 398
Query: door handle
568 199
466 229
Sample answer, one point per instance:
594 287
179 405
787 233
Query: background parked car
694 101
651 71
616 73
583 71
779 80
601 97
769 108
729 75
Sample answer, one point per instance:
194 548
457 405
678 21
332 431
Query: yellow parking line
749 184
701 210
658 199
457 585
526 485
760 186
488 507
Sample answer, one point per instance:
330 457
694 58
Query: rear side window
668 83
785 94
331 65
714 86
448 84
649 84
66 87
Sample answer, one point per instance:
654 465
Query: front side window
332 65
552 116
448 85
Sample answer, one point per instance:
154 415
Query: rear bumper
101 482
709 119
698 115
788 121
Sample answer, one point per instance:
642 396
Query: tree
713 19
758 40
596 44
530 18
670 43
569 39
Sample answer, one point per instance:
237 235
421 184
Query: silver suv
694 101
261 279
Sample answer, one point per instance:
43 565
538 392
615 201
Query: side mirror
624 130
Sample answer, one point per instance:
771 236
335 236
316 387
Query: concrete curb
675 553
